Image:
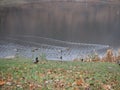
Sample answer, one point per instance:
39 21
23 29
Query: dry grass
108 57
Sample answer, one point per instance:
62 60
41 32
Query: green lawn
22 74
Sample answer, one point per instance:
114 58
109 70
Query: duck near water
36 60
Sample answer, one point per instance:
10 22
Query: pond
32 46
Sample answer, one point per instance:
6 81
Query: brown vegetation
108 57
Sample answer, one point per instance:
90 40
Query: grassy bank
22 74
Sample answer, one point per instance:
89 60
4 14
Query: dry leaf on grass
106 87
9 83
2 83
78 82
31 86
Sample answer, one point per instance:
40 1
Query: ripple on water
68 50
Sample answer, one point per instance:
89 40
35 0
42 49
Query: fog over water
78 22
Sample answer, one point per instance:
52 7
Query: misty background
83 22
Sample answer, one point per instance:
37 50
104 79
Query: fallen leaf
31 86
107 87
2 83
79 82
9 83
20 86
76 88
